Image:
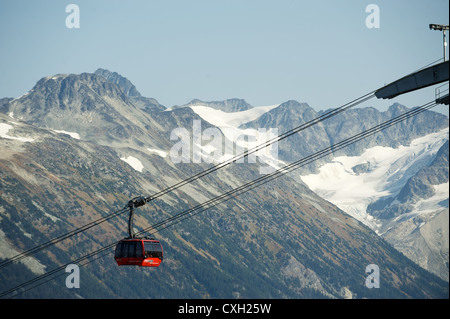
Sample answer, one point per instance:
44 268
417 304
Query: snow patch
4 129
133 162
243 139
434 203
71 134
235 119
158 152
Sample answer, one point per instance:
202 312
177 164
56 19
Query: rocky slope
279 240
377 189
415 220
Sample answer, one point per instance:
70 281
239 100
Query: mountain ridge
228 105
280 240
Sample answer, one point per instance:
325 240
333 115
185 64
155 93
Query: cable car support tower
432 75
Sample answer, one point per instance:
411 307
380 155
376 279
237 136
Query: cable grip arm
132 204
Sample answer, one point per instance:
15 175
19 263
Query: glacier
385 171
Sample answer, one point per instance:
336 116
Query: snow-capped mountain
387 189
79 145
363 176
367 176
379 172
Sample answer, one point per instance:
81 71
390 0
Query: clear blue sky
266 52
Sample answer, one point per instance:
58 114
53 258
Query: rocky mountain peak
396 109
128 88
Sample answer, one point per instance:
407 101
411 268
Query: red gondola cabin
139 252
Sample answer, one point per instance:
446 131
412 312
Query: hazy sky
266 52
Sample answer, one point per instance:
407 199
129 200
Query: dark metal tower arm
432 75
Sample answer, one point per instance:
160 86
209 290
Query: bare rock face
424 239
